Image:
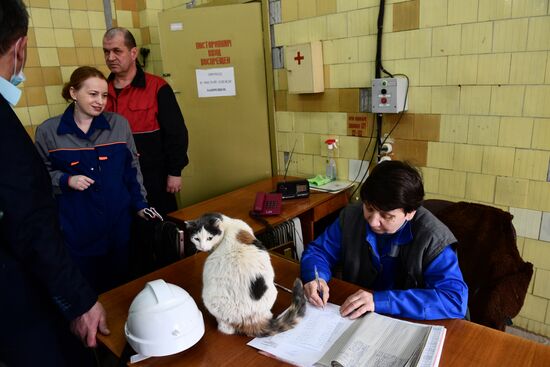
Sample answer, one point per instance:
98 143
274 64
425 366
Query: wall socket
356 170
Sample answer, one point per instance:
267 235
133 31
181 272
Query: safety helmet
163 319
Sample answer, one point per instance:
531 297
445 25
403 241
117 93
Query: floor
527 335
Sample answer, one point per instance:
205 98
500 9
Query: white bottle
331 163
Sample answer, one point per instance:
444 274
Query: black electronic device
293 189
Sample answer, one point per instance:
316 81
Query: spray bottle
331 164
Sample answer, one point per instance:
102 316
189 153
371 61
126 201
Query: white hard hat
163 319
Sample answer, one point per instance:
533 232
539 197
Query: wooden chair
496 275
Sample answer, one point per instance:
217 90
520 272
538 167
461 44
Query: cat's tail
288 319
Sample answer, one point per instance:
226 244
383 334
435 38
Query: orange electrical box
304 65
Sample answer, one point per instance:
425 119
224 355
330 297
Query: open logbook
324 338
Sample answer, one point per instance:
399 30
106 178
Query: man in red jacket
155 118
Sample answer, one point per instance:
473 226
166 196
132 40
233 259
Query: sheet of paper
306 343
216 82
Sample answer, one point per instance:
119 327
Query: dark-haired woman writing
392 246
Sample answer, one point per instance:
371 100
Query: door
215 60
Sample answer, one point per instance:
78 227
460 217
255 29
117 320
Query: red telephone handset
268 203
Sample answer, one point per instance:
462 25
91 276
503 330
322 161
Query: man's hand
173 184
312 292
87 325
80 182
357 304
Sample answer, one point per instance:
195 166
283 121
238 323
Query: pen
319 289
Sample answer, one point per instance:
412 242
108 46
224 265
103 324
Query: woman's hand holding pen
313 291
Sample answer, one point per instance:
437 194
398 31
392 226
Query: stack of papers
333 186
324 338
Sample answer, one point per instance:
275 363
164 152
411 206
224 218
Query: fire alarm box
304 65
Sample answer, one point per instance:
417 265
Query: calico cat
238 278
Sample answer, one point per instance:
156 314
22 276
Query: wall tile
36 96
527 8
361 74
362 22
433 71
467 158
462 11
440 155
494 69
67 56
476 38
34 77
430 177
409 67
366 48
498 161
96 5
406 15
511 191
61 18
66 72
23 114
78 4
534 308
82 38
340 76
480 187
337 123
418 43
325 7
51 76
433 13
346 5
312 145
32 57
38 114
318 123
63 37
414 151
317 28
446 40
85 56
526 222
337 25
41 18
426 127
537 253
307 9
475 100
445 100
454 129
483 130
541 134
545 227
97 20
452 183
397 49
542 284
532 164
289 10
538 197
462 69
53 95
539 34
507 100
515 132
284 121
494 9
420 100
528 67
48 56
510 35
79 19
59 4
403 130
536 101
281 33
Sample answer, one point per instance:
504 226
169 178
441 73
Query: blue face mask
17 78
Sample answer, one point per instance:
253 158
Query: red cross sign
299 58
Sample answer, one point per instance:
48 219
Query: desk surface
238 203
466 343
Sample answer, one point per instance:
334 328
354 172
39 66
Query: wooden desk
238 203
466 343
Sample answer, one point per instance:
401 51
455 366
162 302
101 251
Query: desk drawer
337 202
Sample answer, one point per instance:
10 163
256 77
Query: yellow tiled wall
478 123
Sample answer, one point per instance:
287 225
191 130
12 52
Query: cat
238 278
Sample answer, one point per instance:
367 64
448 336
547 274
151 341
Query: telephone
268 203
